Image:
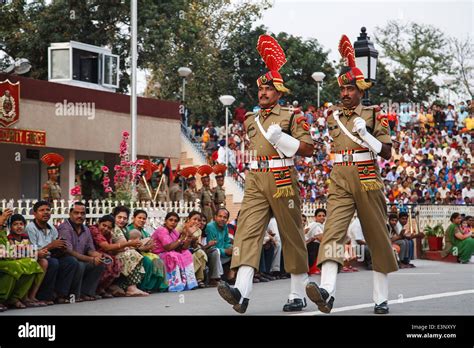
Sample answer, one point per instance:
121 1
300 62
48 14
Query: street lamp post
184 72
366 60
226 100
318 77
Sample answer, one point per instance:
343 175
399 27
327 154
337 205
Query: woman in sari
102 236
17 276
155 277
458 243
173 250
132 272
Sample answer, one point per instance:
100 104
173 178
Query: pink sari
178 264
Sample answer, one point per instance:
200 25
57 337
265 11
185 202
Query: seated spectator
17 275
214 263
409 232
80 245
173 250
358 242
102 235
192 229
133 271
400 244
217 230
20 241
155 274
273 232
59 267
456 242
314 235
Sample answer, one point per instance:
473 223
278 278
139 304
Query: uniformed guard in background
191 193
271 187
205 193
359 134
51 189
219 190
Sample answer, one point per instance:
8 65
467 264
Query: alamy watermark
77 109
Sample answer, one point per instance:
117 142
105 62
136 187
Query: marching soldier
51 189
191 194
219 190
359 135
271 187
205 193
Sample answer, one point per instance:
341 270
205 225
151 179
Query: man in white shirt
314 234
354 232
443 190
468 192
274 235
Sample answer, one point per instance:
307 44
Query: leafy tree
415 53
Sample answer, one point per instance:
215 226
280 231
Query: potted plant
435 237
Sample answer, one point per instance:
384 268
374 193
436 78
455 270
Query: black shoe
381 308
233 296
295 305
320 297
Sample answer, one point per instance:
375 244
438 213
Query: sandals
16 305
3 308
30 304
201 284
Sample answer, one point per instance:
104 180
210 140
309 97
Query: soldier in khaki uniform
176 193
51 189
205 193
191 194
143 187
271 188
161 182
359 135
219 190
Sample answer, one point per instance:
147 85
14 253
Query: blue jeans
58 277
450 125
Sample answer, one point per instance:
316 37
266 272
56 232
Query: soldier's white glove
360 127
282 141
274 133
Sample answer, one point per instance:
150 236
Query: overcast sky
328 20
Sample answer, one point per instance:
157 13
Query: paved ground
433 288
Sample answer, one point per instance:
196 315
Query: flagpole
133 87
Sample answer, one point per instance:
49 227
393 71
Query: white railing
98 208
426 214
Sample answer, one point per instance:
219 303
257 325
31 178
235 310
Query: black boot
319 296
381 308
233 296
295 305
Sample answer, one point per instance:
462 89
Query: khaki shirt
279 115
176 194
342 142
219 196
206 196
142 192
191 195
51 190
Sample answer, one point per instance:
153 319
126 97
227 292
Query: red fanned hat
53 161
274 58
350 74
149 167
219 170
204 170
189 173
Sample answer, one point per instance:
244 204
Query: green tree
415 53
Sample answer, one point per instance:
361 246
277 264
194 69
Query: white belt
355 157
274 163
